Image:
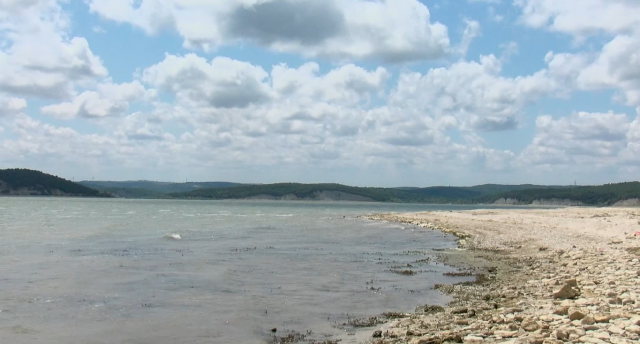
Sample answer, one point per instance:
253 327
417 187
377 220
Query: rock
576 316
461 322
426 340
530 326
601 318
571 282
576 331
588 320
549 341
506 334
561 311
601 335
472 339
615 330
590 327
566 292
377 334
459 310
633 329
429 309
562 334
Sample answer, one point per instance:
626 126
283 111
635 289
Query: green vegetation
130 192
601 195
30 182
157 187
437 194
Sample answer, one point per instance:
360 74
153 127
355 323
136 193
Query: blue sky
361 92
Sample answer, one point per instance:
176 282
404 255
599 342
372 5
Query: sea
78 270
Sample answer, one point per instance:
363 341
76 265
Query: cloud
582 137
37 58
385 30
11 105
223 82
471 31
109 100
309 22
472 92
584 19
348 84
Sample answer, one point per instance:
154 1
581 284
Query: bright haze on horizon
359 92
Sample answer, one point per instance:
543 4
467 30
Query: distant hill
29 182
24 182
608 194
150 188
437 194
600 195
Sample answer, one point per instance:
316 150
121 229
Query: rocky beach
541 276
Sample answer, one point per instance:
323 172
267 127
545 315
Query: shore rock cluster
533 295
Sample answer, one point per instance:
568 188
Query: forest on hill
599 195
30 182
25 182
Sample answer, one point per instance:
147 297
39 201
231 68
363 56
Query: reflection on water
152 271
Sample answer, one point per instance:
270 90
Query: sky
359 92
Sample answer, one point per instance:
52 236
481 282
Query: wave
173 236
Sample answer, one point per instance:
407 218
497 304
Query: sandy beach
542 276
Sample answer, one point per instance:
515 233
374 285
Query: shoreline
542 276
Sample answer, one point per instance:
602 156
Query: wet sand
542 276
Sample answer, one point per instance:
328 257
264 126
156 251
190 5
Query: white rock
472 339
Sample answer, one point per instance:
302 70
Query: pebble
578 295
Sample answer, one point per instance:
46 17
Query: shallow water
108 271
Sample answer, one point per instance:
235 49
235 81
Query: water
108 271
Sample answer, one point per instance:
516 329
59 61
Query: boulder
566 292
601 318
577 315
561 311
562 334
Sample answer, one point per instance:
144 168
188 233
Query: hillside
24 182
147 188
600 195
604 195
437 194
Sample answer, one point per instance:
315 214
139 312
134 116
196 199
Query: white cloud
11 105
348 84
474 93
223 82
582 138
37 58
386 30
471 31
109 100
584 18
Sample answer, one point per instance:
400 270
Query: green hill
490 193
600 195
152 187
25 182
437 194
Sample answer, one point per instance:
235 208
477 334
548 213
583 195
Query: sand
544 276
